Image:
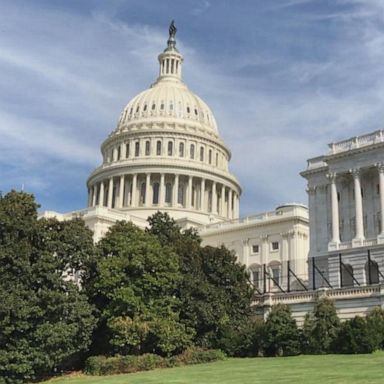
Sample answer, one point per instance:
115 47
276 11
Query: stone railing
357 142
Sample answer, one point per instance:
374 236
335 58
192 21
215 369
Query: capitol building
166 154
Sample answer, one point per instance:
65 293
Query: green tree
281 336
353 337
134 287
45 321
214 289
321 327
375 324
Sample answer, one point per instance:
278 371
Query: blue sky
283 77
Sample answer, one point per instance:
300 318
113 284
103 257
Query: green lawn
338 369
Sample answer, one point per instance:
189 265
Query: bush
375 324
102 365
353 337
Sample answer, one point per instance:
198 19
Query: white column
380 168
230 211
123 151
161 190
358 206
89 202
189 193
94 195
214 197
175 191
110 192
335 240
202 195
114 156
222 200
101 197
147 189
134 190
235 206
121 192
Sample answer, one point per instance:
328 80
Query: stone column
161 190
134 190
101 197
147 189
222 200
380 168
110 192
230 212
358 208
121 191
335 213
214 197
175 191
94 195
235 206
189 193
123 151
202 195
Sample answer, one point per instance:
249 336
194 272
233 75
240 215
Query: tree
214 289
375 324
353 337
281 332
321 327
45 321
134 287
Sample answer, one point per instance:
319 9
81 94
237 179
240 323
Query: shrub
353 337
320 328
375 324
102 365
281 332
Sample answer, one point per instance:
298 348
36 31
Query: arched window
201 153
275 274
180 195
372 272
158 148
147 148
155 199
192 151
142 193
137 148
346 275
170 148
210 156
255 273
168 193
181 149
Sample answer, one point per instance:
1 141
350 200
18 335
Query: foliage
134 286
281 333
45 321
353 337
214 289
320 328
102 365
375 325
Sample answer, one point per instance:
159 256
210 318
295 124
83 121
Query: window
181 149
275 245
153 107
170 148
346 275
145 107
127 150
372 273
255 248
338 196
155 199
217 159
118 152
255 278
147 148
137 109
276 276
180 195
158 148
210 156
377 189
168 193
142 193
201 153
162 106
192 151
188 110
137 148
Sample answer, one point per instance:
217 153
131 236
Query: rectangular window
275 245
147 148
256 278
276 276
127 150
137 148
255 248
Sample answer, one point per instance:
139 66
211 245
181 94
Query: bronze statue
172 30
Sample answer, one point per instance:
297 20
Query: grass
338 369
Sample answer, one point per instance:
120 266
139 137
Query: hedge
102 365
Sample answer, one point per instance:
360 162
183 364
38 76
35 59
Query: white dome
168 99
